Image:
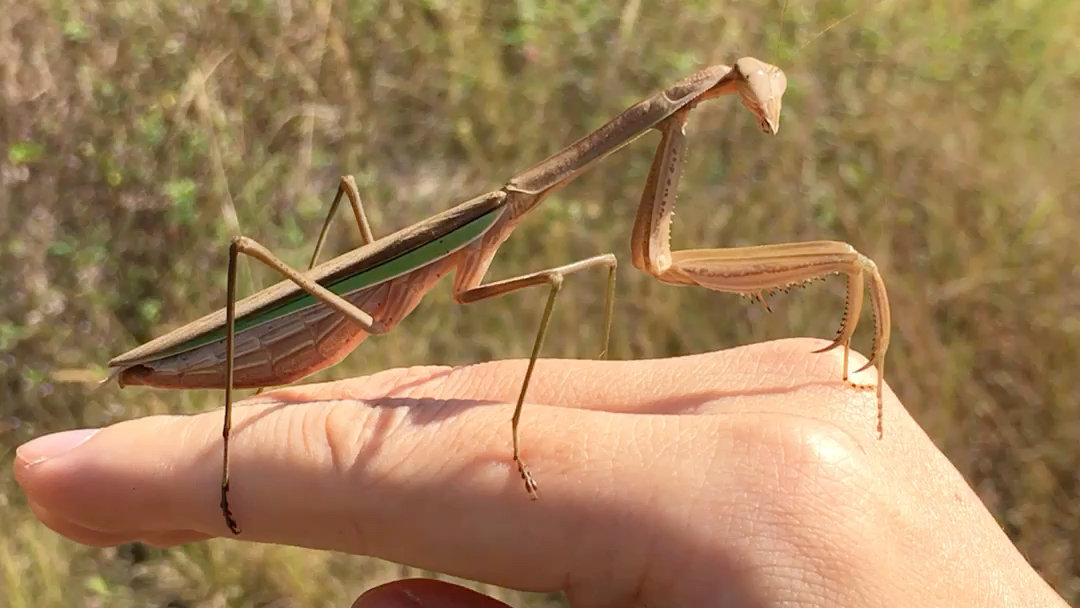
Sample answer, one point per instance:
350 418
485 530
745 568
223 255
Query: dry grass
937 136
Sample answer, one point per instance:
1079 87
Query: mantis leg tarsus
554 278
609 310
837 342
346 186
230 350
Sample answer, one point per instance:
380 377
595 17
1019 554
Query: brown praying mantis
314 319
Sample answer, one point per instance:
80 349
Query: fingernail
50 446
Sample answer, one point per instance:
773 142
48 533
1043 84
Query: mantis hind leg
346 186
553 277
251 248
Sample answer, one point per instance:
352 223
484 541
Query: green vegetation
938 137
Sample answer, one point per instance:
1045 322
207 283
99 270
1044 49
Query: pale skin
745 477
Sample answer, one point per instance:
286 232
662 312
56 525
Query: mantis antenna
783 15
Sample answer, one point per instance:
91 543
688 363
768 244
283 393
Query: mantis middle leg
467 288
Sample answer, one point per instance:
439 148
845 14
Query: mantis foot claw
861 387
530 483
227 512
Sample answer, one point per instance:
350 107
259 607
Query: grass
934 135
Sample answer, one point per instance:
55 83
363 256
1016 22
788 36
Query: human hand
745 477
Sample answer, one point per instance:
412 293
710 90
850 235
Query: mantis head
761 86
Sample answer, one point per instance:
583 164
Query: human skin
745 477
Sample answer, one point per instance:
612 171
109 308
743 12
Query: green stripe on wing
351 283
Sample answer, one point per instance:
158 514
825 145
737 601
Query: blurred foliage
937 136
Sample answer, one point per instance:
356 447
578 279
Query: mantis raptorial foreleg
554 278
750 271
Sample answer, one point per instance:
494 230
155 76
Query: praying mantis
313 319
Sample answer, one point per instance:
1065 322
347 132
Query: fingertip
51 446
122 480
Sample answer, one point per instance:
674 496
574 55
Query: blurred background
939 137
